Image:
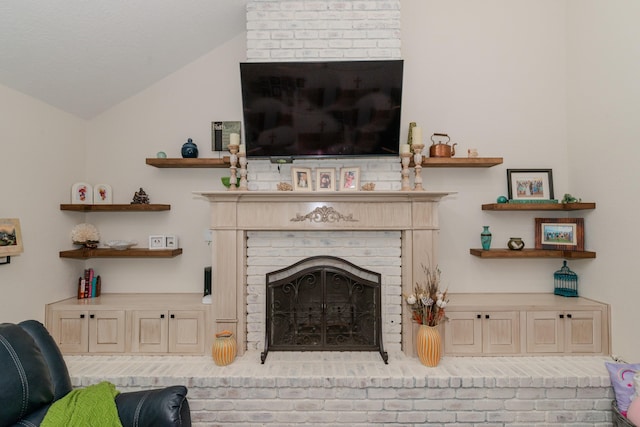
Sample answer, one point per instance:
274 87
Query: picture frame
534 185
171 241
350 179
325 179
220 134
81 194
565 234
301 179
102 194
157 241
10 237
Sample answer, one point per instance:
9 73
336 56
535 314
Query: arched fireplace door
323 303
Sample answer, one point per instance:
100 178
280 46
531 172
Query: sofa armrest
165 407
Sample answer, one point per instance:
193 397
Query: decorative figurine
140 198
568 198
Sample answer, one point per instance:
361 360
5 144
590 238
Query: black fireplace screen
323 303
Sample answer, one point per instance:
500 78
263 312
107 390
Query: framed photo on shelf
10 237
566 234
102 194
350 179
157 241
220 134
81 194
301 179
530 185
325 179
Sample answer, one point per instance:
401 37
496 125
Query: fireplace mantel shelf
319 196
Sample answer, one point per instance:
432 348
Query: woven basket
619 420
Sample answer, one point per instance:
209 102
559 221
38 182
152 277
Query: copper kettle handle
441 135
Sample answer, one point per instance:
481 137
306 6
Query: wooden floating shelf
225 162
538 206
115 207
462 162
85 253
532 253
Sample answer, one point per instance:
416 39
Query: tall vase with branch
428 303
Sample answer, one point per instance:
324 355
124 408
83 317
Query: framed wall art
325 179
102 194
10 237
350 179
81 194
565 234
530 185
301 179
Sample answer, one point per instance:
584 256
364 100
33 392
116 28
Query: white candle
404 148
234 139
416 135
242 149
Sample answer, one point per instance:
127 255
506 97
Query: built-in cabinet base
528 324
130 324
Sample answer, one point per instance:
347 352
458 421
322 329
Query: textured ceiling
84 56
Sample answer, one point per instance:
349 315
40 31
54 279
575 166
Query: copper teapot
441 149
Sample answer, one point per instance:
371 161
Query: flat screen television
321 109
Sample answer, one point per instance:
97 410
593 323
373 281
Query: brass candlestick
242 158
405 158
233 149
417 160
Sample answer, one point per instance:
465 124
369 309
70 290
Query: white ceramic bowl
121 245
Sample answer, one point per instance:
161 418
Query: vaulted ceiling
85 56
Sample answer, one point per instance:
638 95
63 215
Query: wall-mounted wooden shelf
532 253
85 253
462 162
538 206
116 208
189 163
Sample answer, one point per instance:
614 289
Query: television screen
321 109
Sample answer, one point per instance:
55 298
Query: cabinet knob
82 316
486 316
478 316
569 316
173 316
162 316
92 316
561 316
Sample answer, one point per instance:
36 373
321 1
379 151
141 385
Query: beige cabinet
89 331
168 331
130 324
535 324
575 331
475 332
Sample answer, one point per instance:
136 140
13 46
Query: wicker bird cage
565 282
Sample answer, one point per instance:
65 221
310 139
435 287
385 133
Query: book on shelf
89 284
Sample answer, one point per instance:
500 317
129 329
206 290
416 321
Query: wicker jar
224 348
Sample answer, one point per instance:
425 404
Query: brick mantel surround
234 213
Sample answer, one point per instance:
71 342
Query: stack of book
89 284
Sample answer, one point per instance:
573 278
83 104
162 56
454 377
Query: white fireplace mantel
233 213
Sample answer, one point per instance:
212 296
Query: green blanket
93 406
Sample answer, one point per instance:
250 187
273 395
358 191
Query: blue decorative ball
502 199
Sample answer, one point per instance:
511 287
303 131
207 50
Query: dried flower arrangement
428 302
85 234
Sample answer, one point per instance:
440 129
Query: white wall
43 154
603 104
542 83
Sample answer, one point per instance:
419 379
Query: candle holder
405 158
417 160
242 159
233 159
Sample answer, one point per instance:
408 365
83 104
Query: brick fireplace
414 215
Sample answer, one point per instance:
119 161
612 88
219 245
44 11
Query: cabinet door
149 331
501 332
545 332
70 330
106 331
463 333
583 331
186 331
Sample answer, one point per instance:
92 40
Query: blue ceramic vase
485 237
189 149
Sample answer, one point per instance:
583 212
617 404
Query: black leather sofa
33 375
